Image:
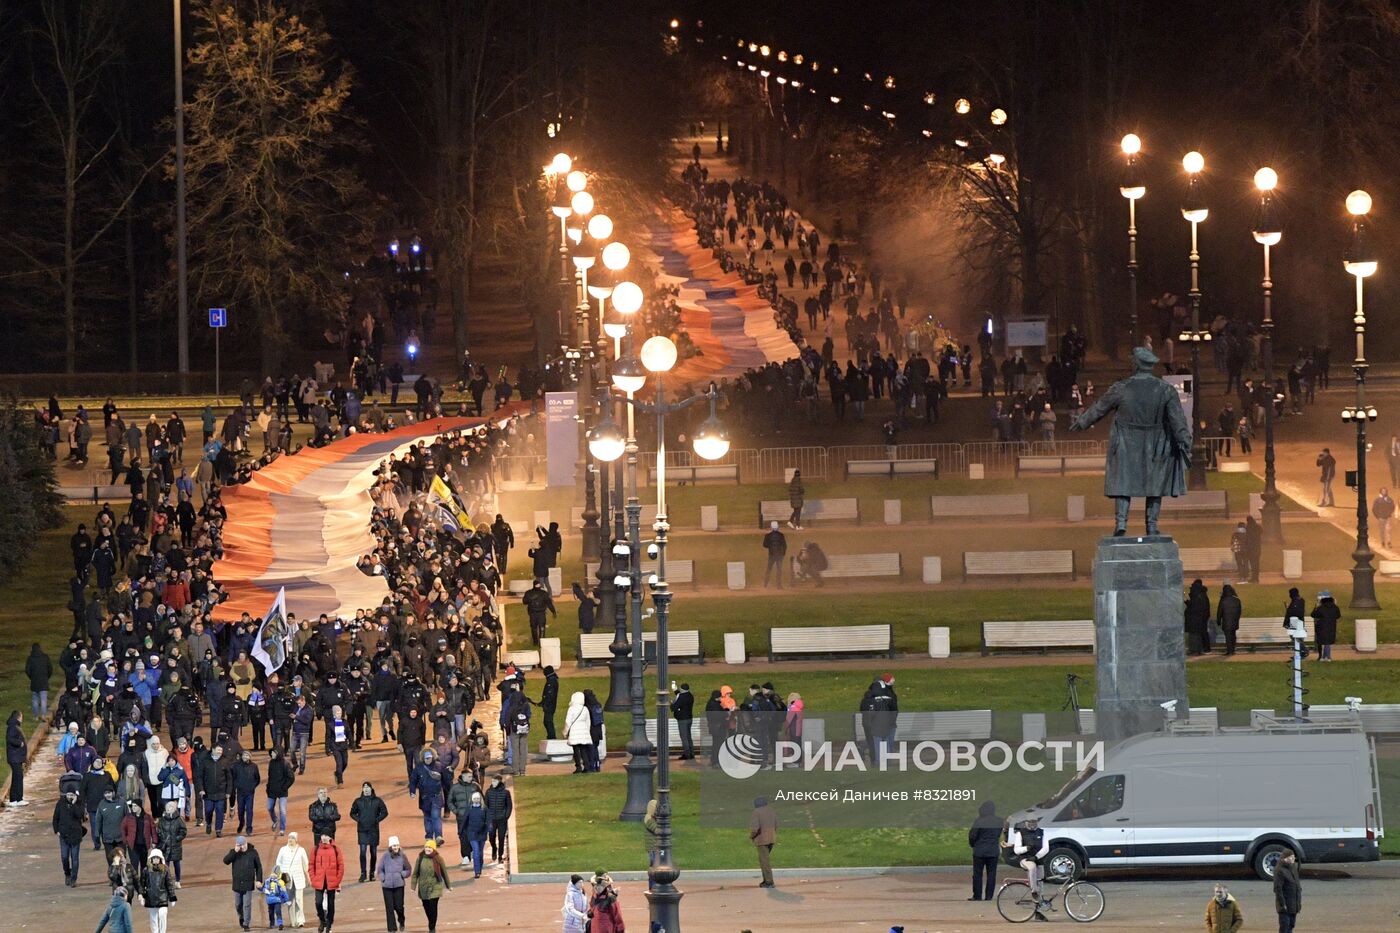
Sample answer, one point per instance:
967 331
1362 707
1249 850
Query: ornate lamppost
1194 210
1361 262
1268 233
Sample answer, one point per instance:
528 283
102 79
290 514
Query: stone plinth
1140 658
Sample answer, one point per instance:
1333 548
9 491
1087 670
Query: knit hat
429 844
393 840
773 525
241 841
155 854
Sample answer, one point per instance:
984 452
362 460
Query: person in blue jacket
429 784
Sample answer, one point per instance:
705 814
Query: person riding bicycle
1027 840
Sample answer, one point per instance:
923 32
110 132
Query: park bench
699 473
975 724
813 510
892 468
1267 632
683 645
519 587
699 731
1014 505
1017 563
648 517
1200 502
677 571
860 565
1388 568
93 494
1054 465
831 640
524 659
1207 560
1037 636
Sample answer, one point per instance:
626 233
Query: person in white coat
292 862
575 909
578 731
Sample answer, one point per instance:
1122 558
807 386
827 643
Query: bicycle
1082 900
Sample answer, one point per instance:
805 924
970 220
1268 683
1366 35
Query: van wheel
1266 859
1064 863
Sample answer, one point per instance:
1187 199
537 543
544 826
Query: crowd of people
1205 630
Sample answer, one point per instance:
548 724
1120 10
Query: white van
1219 797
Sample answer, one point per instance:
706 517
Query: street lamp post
620 664
1195 212
585 255
1268 233
1361 262
710 442
1132 189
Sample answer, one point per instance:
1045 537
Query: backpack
521 720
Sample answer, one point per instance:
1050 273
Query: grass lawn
31 609
568 823
911 610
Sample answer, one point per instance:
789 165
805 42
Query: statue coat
1149 445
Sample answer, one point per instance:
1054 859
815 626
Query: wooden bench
93 494
648 516
1060 465
1207 560
1017 563
860 565
519 587
524 659
697 474
831 640
683 645
677 571
892 468
938 726
813 510
1037 636
1267 632
699 731
1014 505
1388 568
1200 502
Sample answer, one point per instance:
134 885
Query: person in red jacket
604 914
327 871
138 832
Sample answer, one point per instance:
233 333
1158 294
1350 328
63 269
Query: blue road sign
218 317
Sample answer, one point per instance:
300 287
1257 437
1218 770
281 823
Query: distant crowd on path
147 655
1204 630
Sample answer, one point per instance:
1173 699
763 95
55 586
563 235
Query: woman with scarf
338 741
430 880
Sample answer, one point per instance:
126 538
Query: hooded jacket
427 781
327 867
459 798
117 919
984 838
577 722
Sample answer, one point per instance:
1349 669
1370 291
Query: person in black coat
717 719
1197 618
549 699
39 669
16 753
1288 892
984 838
212 779
68 819
280 778
683 708
247 877
1296 608
1325 617
323 814
1227 615
246 779
368 811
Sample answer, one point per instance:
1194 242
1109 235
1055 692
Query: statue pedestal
1140 658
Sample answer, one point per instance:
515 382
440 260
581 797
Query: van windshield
1061 795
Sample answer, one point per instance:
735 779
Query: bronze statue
1149 445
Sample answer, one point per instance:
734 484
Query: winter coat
1226 919
68 819
478 823
158 889
108 827
327 867
247 868
280 778
16 748
605 915
131 829
170 834
368 813
984 838
1228 610
246 777
1149 443
39 669
429 876
293 863
575 910
95 784
117 918
577 722
427 782
1288 890
459 798
213 778
393 871
1325 617
498 802
323 817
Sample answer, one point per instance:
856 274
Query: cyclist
1027 840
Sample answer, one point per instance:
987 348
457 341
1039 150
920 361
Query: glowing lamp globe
600 227
627 298
628 375
659 354
561 163
1132 144
1358 203
582 203
711 441
1266 179
1193 162
616 256
605 442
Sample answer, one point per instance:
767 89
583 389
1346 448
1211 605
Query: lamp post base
1363 581
640 768
665 902
1271 519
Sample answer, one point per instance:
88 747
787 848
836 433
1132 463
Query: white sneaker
18 803
792 526
465 861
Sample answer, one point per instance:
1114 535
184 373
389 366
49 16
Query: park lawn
738 505
912 609
568 823
32 609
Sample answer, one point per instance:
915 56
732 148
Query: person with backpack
515 715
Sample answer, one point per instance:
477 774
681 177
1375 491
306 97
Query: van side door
1097 819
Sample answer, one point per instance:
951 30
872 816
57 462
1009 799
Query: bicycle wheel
1014 901
1083 901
